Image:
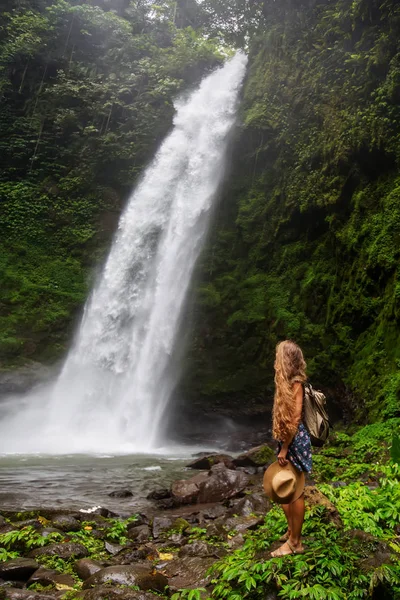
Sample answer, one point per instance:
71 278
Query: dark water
82 481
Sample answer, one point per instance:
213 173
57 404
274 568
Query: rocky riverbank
219 518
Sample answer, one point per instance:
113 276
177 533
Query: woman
289 431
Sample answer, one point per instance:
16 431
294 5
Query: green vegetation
351 537
306 241
354 555
85 97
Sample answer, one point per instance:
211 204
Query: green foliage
86 96
25 539
118 529
6 555
395 448
306 243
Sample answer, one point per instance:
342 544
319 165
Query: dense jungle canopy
306 238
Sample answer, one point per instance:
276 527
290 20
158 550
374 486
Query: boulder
313 497
256 457
201 549
243 524
213 512
49 576
107 592
17 594
160 525
221 484
159 494
186 491
86 567
217 485
188 572
206 462
138 575
65 550
18 569
113 548
139 534
167 503
121 494
253 504
66 523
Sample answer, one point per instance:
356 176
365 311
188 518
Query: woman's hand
282 460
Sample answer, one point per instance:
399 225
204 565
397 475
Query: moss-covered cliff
86 95
306 244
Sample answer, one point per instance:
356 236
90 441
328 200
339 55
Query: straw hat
285 484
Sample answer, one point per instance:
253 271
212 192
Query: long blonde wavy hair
290 367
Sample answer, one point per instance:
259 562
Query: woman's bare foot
288 548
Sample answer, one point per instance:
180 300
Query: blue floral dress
299 451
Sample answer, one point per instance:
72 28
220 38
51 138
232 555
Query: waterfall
117 380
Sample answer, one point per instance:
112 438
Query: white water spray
117 379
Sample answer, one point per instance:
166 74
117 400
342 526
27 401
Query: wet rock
236 541
113 548
188 572
161 525
49 576
27 523
186 491
159 494
314 497
253 504
86 567
217 529
221 484
139 534
6 528
64 550
17 594
206 462
201 549
2 521
19 569
256 457
121 494
214 512
167 504
243 524
176 540
127 556
66 523
128 575
107 592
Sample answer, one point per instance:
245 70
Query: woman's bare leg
288 514
295 516
297 510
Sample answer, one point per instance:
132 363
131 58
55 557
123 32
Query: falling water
113 391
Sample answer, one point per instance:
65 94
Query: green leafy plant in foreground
25 539
118 530
6 555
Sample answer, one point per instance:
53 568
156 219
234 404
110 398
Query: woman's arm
298 399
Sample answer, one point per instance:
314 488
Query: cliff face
306 240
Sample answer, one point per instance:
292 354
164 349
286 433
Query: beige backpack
315 416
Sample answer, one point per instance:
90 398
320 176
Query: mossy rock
256 457
180 525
